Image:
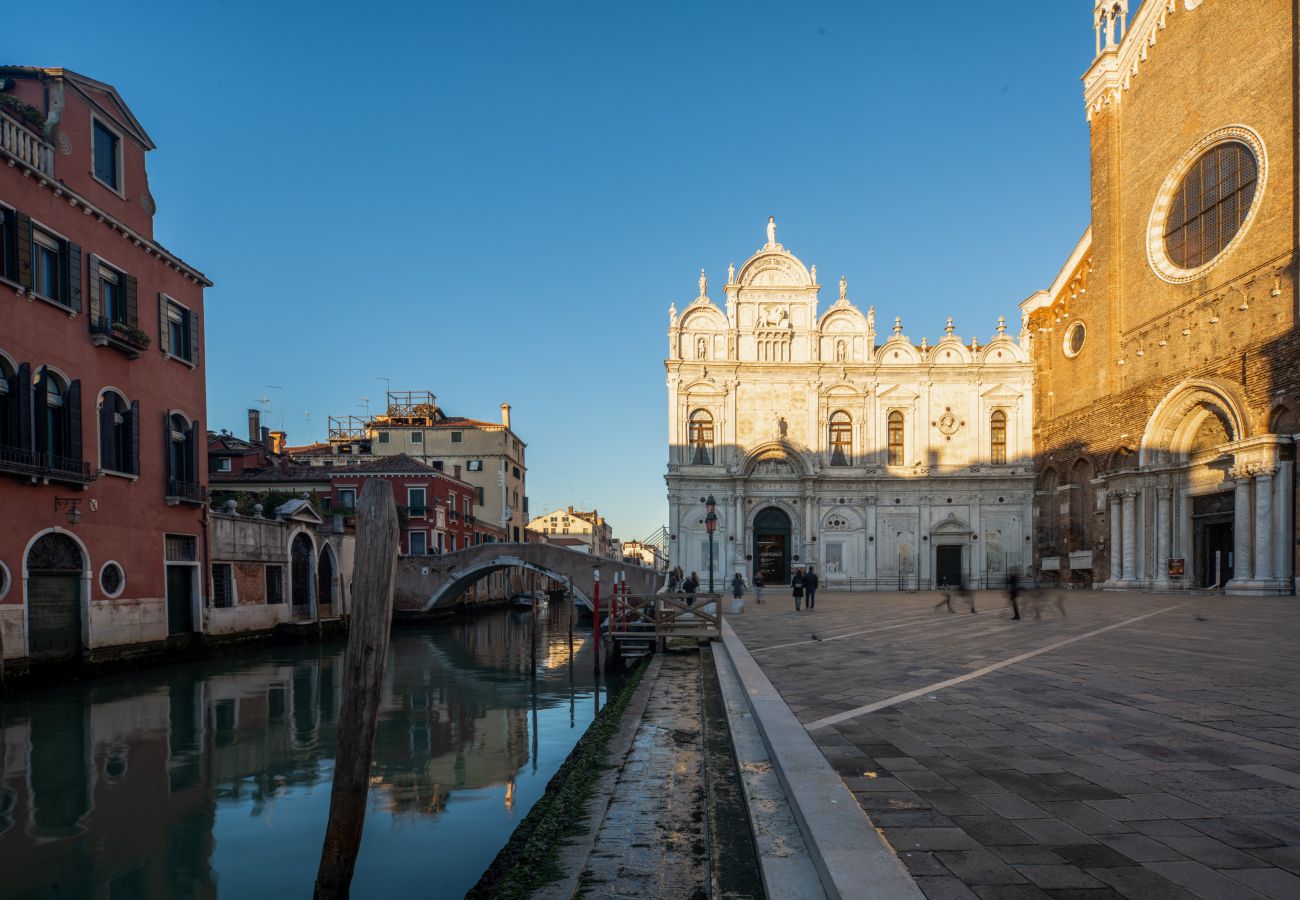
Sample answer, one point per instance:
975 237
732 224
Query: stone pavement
1140 746
652 840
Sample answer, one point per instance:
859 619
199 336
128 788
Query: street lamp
710 525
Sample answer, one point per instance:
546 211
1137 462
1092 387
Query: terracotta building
102 469
1166 356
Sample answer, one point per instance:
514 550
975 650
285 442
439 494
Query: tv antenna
280 388
366 402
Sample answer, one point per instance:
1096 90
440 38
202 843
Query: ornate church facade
1167 357
882 463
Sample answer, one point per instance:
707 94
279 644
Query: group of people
803 585
1036 598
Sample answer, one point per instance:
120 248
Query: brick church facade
1166 358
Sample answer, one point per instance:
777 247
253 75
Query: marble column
1264 523
1241 522
1115 537
1129 538
1164 528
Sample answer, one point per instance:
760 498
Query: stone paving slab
1116 758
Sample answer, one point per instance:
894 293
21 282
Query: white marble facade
888 462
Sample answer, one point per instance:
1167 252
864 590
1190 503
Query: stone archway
325 572
773 534
302 571
55 568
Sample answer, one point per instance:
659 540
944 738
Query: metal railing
185 491
29 147
37 464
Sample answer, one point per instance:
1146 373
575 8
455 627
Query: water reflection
212 779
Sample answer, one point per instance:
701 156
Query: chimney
456 471
254 425
278 441
265 437
505 414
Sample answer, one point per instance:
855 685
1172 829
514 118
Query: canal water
212 779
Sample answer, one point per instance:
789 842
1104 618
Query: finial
974 344
771 231
947 329
924 345
844 288
1002 324
898 324
731 273
704 284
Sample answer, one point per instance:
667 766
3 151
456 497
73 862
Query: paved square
1138 745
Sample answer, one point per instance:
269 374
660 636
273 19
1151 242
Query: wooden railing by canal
646 616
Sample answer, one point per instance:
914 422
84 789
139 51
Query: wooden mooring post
363 677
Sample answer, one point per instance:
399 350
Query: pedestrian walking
689 587
967 595
675 579
946 599
1013 591
738 586
796 583
758 588
810 582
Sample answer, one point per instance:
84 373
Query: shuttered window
178 330
108 155
119 434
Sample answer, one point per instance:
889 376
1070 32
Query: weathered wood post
363 676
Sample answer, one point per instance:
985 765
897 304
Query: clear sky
498 201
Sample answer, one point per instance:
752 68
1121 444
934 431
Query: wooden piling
363 675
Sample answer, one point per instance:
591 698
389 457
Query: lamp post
710 525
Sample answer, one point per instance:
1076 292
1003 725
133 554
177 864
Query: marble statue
672 313
839 351
813 273
771 230
871 318
844 288
731 273
701 348
704 284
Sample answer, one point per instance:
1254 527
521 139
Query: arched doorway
772 532
302 565
325 582
55 566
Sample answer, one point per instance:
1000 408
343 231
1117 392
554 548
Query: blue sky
498 201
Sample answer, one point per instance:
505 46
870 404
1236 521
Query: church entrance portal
1212 521
772 546
947 566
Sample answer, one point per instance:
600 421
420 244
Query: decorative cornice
1114 69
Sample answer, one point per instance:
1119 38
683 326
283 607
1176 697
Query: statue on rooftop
704 284
844 288
771 230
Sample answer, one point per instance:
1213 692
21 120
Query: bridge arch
462 580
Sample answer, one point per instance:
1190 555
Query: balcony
132 341
40 466
185 492
26 145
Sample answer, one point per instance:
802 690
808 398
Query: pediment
897 392
1001 392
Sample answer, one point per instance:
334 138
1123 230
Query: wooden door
54 616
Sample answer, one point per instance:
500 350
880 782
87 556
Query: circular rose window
1206 204
1074 337
111 579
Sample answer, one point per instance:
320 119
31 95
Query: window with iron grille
180 548
998 437
1211 204
274 584
895 438
223 594
841 439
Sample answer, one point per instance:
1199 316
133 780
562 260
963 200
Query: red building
436 509
102 466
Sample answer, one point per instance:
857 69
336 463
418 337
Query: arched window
896 438
701 438
57 413
841 439
182 459
118 434
9 390
998 438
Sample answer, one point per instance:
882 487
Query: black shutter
192 453
132 318
92 289
10 249
72 277
164 326
23 382
24 250
192 336
187 333
133 456
107 446
73 402
40 403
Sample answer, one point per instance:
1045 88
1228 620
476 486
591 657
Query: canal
212 779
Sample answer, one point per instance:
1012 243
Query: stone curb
852 858
573 856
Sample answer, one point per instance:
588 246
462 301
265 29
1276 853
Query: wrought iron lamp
73 507
710 525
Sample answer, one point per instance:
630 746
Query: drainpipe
204 569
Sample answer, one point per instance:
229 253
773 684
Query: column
738 530
1241 527
1164 527
1129 537
1115 536
1282 518
1264 523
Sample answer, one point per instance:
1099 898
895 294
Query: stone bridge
426 582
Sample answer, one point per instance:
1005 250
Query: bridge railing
645 616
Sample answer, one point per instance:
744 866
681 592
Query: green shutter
72 276
164 326
92 288
24 230
134 454
132 316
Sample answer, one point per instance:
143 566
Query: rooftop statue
844 288
771 230
704 284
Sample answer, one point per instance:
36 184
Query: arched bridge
426 582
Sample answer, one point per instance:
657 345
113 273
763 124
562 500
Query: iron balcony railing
185 491
37 464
